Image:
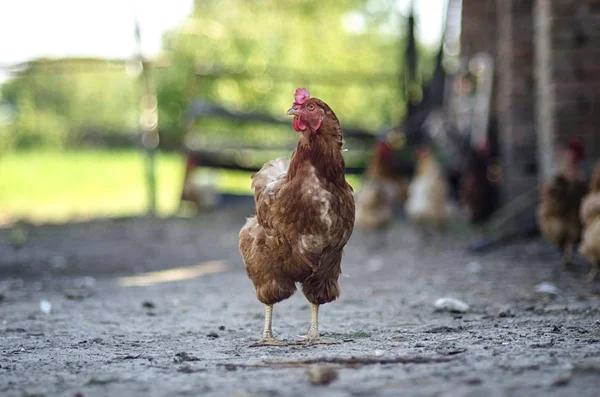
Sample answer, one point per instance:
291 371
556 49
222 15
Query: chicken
558 211
203 194
477 186
374 205
383 189
304 218
428 193
590 217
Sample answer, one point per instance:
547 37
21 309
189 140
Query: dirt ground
73 321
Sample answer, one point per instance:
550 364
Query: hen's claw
270 341
319 341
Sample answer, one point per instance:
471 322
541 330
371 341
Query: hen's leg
567 256
593 271
267 338
312 337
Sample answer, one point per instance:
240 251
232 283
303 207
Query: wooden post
148 122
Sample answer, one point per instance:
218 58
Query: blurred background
119 108
100 101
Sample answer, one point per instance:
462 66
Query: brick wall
547 87
515 90
478 27
567 36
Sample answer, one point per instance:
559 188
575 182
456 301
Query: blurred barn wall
547 86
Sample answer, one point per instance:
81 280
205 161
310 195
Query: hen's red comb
422 152
576 146
300 96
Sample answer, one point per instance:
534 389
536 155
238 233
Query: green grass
55 186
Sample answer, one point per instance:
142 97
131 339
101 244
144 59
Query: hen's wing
266 183
264 250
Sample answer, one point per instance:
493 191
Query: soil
74 323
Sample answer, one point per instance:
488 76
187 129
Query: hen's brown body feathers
590 216
304 217
558 212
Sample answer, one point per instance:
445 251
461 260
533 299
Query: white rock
547 288
45 306
451 305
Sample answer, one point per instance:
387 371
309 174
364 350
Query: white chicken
428 194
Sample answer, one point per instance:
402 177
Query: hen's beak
292 112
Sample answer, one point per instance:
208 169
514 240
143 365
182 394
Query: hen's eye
311 107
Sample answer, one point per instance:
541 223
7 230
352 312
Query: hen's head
311 115
575 150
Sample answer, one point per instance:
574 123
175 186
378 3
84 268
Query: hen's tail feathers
270 173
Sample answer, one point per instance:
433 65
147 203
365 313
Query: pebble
451 305
45 306
148 305
320 375
547 288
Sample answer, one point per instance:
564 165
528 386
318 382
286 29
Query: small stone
562 381
320 375
183 357
452 305
547 288
505 312
45 307
221 328
148 305
213 335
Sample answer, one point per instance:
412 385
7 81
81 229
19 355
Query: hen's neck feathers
323 150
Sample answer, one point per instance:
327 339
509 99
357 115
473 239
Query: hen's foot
313 338
319 341
568 267
270 341
591 276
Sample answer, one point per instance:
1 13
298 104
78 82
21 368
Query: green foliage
55 103
252 55
257 44
57 185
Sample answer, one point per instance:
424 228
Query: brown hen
558 211
304 217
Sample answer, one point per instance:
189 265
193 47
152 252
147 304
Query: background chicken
590 217
203 194
385 185
428 194
478 183
304 217
558 211
374 205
